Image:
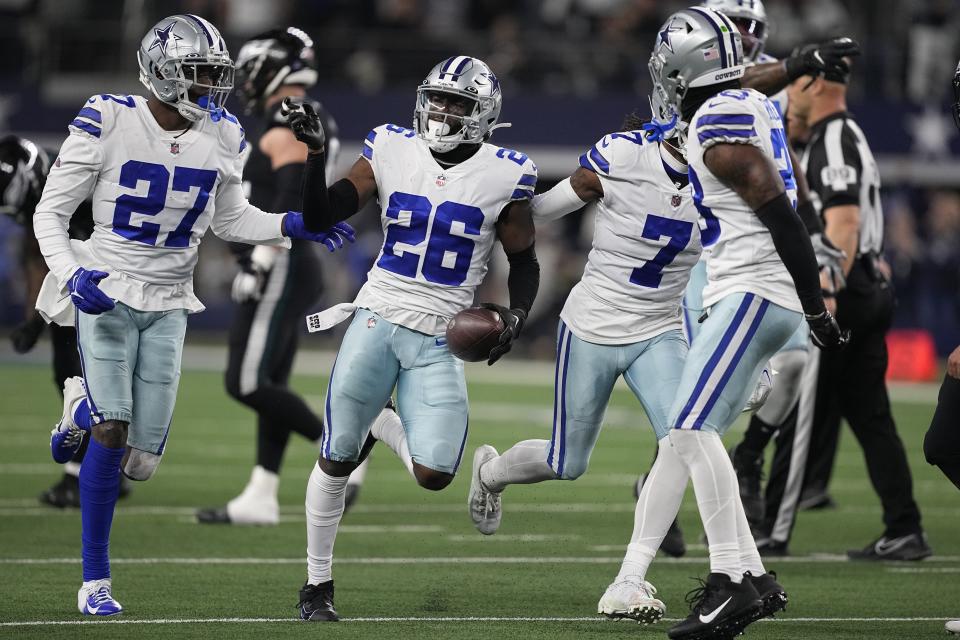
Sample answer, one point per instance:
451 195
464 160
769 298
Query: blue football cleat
66 437
95 598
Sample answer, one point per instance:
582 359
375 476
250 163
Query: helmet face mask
270 60
185 63
23 173
750 17
458 103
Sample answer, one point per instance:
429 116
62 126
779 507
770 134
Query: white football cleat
953 626
633 600
484 505
762 391
95 598
66 437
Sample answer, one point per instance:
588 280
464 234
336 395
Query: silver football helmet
185 63
462 77
751 18
695 47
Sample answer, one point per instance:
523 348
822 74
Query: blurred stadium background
570 69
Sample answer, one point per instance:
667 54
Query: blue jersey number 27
679 232
441 243
157 178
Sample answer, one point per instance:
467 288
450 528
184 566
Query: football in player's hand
473 332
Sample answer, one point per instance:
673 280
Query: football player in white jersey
762 281
621 319
771 77
446 196
161 169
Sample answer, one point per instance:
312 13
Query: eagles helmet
696 47
185 63
464 77
23 172
751 19
271 59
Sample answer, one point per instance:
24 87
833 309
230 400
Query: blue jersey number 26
157 178
441 243
679 232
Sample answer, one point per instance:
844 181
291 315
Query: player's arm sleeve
236 220
726 121
840 174
70 181
559 201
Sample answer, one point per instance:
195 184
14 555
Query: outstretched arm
567 196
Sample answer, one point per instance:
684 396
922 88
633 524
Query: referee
845 185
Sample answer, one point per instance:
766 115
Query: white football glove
249 282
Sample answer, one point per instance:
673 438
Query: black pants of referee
941 445
847 384
264 337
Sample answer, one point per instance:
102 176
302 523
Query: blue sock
82 416
99 486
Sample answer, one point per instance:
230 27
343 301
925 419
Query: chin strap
657 131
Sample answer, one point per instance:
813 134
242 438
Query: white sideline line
924 569
598 619
821 558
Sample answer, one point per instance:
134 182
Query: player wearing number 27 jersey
161 170
445 196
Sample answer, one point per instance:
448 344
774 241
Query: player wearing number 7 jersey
445 195
621 319
161 170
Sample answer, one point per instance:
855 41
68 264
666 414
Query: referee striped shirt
841 170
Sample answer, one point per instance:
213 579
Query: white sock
749 556
72 468
523 463
718 495
356 478
262 484
324 506
657 506
388 429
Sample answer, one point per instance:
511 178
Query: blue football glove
86 295
333 237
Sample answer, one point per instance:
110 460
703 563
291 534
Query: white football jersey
741 255
438 225
645 242
154 194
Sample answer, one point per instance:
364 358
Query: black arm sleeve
808 214
287 180
524 279
322 207
793 245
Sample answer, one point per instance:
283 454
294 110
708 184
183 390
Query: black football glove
513 320
824 58
304 122
826 333
25 335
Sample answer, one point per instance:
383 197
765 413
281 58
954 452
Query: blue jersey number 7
679 232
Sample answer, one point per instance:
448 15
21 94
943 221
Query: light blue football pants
377 355
735 342
584 379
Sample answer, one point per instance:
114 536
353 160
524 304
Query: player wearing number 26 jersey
445 196
161 170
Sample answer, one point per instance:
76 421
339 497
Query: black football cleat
815 501
672 544
213 515
910 548
66 493
316 603
749 468
719 608
772 594
770 548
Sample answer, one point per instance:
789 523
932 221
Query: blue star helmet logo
163 38
663 38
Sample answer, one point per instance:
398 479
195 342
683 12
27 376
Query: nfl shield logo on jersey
441 180
675 201
174 148
371 323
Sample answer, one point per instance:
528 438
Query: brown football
473 332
